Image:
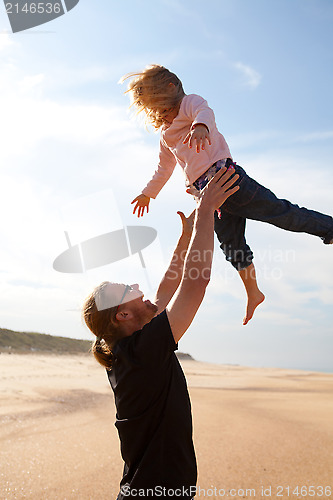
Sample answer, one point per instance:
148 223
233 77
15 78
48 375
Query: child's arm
164 171
142 201
203 122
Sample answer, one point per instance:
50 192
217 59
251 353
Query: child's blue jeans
253 201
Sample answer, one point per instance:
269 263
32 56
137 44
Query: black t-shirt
153 417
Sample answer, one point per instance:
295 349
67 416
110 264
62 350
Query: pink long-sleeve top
193 109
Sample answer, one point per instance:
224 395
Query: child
190 137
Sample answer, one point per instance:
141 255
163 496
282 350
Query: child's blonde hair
150 92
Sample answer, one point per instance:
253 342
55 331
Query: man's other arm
197 267
171 279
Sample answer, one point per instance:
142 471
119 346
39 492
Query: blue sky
70 146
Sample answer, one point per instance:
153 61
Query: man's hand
198 135
172 277
187 223
219 188
141 202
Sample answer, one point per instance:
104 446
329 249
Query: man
136 340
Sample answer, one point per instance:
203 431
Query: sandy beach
258 432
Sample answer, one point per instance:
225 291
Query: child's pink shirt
193 109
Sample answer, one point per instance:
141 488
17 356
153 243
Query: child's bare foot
252 304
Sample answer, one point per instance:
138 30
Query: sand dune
259 433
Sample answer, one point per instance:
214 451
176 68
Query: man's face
130 299
133 297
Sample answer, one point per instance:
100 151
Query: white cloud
31 81
316 136
260 138
5 41
251 77
53 153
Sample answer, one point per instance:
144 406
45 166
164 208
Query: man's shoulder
161 319
151 344
158 323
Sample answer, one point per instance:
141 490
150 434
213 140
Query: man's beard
146 314
154 307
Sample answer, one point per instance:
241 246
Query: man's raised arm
171 279
198 262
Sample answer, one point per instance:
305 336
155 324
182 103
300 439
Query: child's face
166 115
171 115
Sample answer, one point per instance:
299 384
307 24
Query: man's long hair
103 324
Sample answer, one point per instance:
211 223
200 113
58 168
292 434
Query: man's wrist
204 207
184 239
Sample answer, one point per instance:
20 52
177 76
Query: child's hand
142 202
198 134
194 192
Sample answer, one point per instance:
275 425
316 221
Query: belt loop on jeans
229 162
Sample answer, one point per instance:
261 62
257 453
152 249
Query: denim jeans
253 201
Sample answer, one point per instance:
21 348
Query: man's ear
124 315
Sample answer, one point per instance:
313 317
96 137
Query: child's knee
239 258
